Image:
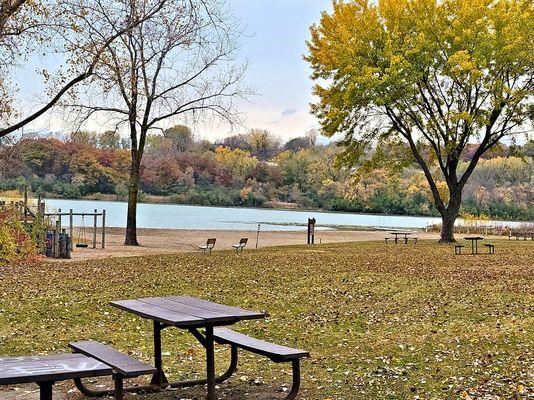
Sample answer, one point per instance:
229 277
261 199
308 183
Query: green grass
381 322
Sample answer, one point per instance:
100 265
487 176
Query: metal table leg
45 390
210 363
159 377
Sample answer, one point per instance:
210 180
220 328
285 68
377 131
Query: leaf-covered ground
381 322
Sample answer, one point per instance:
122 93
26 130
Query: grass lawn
381 322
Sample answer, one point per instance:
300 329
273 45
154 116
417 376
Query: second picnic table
188 313
397 234
474 243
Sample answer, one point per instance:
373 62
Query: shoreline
170 241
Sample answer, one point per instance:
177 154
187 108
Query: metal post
59 217
258 235
311 231
210 363
56 239
94 229
103 229
71 228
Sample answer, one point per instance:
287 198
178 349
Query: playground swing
82 242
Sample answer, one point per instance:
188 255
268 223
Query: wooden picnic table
45 370
397 234
474 243
188 313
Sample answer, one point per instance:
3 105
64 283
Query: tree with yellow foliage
436 74
239 162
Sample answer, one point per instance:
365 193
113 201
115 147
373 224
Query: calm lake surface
172 216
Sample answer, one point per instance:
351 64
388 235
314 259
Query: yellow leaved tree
435 74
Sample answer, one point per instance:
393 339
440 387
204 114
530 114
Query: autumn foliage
242 172
16 243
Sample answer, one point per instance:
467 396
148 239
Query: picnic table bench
46 370
275 352
123 366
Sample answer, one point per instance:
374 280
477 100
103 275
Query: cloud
288 111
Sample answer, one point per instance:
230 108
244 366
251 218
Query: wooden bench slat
210 316
210 306
157 313
50 368
122 363
273 351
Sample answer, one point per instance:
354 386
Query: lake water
171 216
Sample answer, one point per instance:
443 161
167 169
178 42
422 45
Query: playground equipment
51 234
82 241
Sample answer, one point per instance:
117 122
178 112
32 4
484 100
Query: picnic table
45 370
519 235
474 243
187 313
397 234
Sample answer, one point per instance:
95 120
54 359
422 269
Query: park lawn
381 322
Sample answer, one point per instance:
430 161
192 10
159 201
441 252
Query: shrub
17 245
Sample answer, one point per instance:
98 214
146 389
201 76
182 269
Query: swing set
82 240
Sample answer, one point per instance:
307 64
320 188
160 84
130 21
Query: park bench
241 245
458 248
386 239
491 248
407 239
208 247
276 353
122 365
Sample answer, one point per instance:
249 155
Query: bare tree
54 26
178 63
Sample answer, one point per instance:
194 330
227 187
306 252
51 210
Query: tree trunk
448 218
447 228
133 191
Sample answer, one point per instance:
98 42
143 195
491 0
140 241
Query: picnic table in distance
521 234
405 234
474 243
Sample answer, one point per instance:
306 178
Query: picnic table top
401 233
15 370
473 238
185 311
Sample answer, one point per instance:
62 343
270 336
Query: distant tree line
256 170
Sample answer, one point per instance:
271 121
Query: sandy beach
162 241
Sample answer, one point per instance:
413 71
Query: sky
276 32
